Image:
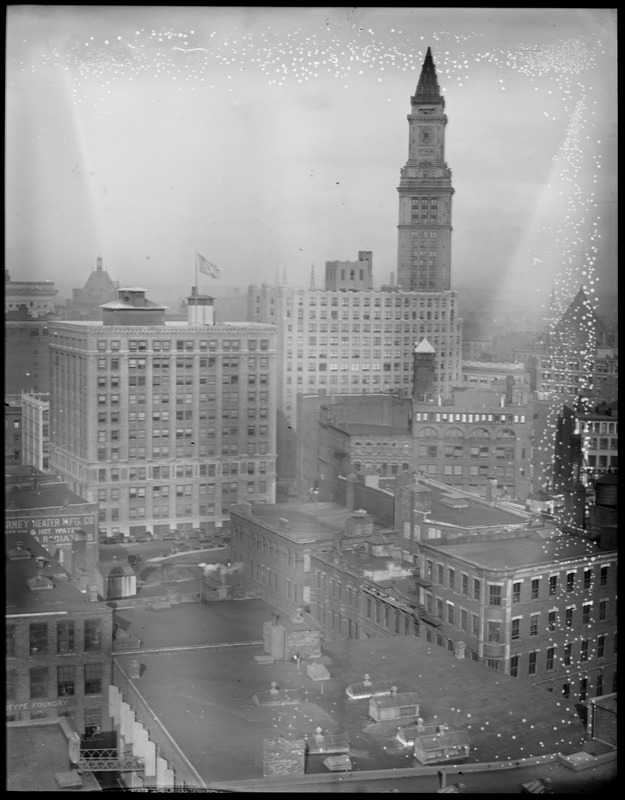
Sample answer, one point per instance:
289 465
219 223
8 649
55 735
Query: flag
207 267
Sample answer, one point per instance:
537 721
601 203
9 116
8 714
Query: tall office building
164 423
356 341
425 192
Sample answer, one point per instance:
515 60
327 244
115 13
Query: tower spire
427 88
312 277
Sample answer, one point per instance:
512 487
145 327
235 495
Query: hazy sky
273 137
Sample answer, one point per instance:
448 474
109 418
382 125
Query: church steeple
427 88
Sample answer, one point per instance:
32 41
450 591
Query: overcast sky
270 137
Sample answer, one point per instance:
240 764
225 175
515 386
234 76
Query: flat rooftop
35 753
307 522
21 599
45 496
525 551
472 515
504 718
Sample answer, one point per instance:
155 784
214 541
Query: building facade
350 276
479 443
58 643
85 303
26 356
164 424
36 430
35 297
355 342
425 193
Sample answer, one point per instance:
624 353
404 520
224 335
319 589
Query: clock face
426 135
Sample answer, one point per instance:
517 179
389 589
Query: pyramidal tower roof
424 347
427 88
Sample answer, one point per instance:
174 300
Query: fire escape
109 760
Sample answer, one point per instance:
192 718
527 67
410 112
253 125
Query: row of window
448 578
553 660
61 637
181 345
67 681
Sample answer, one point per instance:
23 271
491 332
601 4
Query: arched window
480 433
427 433
454 433
506 433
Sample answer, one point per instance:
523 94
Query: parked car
115 538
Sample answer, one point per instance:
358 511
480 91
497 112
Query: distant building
425 192
12 430
164 423
58 642
350 276
479 442
34 298
26 355
36 430
493 375
85 303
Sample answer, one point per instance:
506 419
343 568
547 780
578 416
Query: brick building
164 423
36 430
62 522
275 544
522 597
479 442
58 642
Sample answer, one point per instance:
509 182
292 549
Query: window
553 585
570 581
531 668
551 652
65 681
551 620
514 666
567 654
535 588
516 628
475 625
92 635
568 617
450 613
494 631
452 578
516 592
587 578
38 682
583 653
439 608
440 574
494 594
534 619
65 636
465 584
601 645
93 678
38 638
10 641
463 619
476 589
586 613
603 610
603 576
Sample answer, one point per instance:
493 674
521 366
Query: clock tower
425 191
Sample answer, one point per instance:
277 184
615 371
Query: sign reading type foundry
33 705
53 529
